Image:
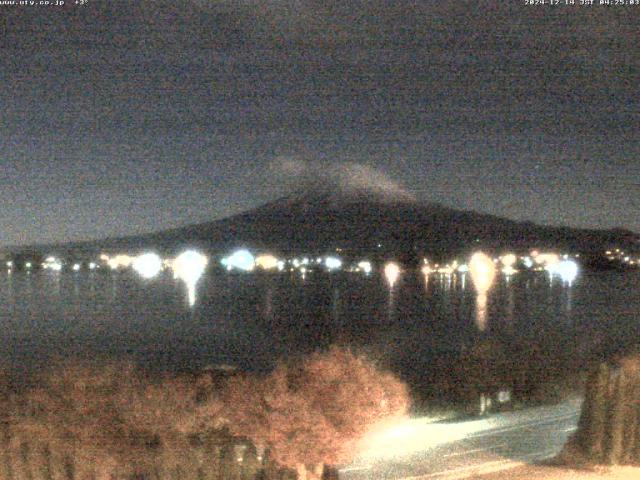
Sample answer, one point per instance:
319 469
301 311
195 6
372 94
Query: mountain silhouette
361 222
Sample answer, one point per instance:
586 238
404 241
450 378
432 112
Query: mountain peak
337 195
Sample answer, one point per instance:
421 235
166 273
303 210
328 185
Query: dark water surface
420 331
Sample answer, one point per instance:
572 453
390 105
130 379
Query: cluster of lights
267 262
622 257
245 261
508 264
118 262
364 266
332 263
52 263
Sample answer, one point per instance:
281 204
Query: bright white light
76 267
148 265
119 261
528 262
189 267
240 259
52 263
464 268
280 265
426 270
509 270
332 263
391 272
92 266
483 272
55 266
365 266
508 260
28 265
403 438
9 264
567 270
266 262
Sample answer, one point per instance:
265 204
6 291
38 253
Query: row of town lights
190 265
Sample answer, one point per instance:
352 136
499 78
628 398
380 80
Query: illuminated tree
310 413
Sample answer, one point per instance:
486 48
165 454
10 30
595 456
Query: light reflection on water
250 320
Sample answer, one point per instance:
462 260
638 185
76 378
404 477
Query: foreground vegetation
112 421
609 427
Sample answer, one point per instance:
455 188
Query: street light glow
241 259
483 273
266 262
148 265
391 272
332 263
189 266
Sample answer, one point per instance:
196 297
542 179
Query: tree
310 413
609 426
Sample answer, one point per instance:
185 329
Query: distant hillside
362 223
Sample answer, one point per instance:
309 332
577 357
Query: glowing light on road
332 263
189 267
266 262
483 274
240 259
403 438
148 265
391 273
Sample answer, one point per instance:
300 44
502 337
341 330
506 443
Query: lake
421 330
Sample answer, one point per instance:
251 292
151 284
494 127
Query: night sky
123 117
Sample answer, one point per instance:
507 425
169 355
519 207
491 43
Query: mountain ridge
361 222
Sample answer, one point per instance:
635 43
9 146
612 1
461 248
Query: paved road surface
419 450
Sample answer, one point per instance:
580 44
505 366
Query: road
421 449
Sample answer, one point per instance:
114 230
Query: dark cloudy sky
127 116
